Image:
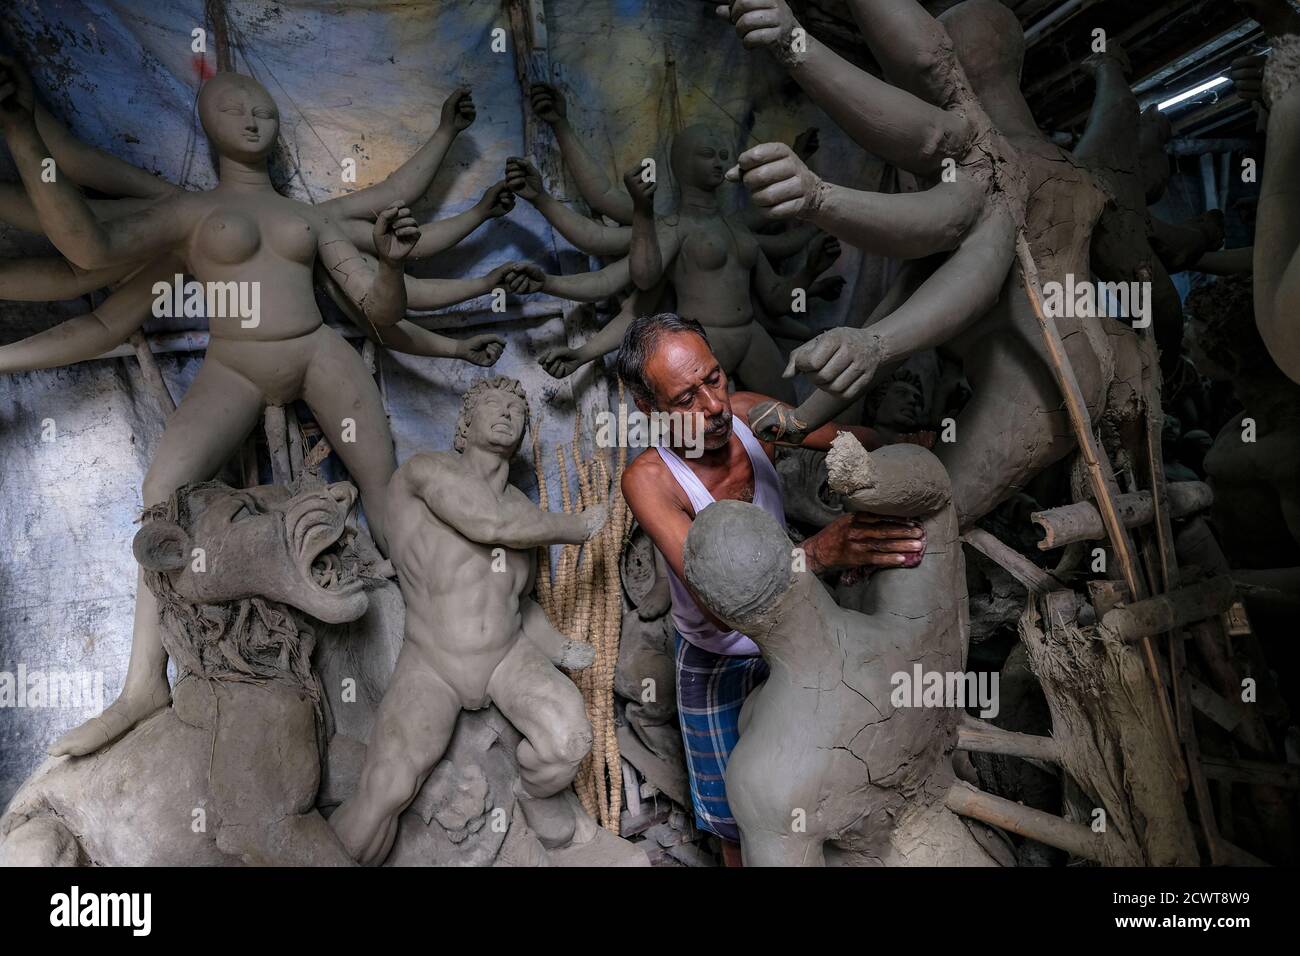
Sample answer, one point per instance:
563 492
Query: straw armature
582 597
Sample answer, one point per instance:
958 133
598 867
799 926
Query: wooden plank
1073 838
1030 575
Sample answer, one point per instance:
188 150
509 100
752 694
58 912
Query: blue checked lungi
710 691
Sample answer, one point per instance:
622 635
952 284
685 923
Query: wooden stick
979 736
1103 489
1169 612
277 444
1253 772
151 373
1030 575
1074 838
1082 521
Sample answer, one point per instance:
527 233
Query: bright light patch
1195 91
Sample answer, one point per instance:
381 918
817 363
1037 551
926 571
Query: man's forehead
679 360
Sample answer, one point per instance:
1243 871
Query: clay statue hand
396 233
497 201
561 361
523 178
781 186
524 278
828 288
823 251
1247 75
842 361
16 100
866 540
776 422
547 102
595 516
481 350
766 24
458 109
576 655
642 192
807 143
1113 52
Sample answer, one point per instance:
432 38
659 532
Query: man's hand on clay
482 350
642 192
561 362
396 233
16 100
765 24
547 103
781 186
595 517
523 178
458 109
863 540
841 361
497 201
577 655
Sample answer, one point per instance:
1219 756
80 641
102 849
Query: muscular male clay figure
462 539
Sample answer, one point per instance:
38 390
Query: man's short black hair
639 341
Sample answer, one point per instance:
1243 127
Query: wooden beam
979 736
1074 838
1030 575
1082 521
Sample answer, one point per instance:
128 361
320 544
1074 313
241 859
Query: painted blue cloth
710 691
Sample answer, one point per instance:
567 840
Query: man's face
687 379
497 422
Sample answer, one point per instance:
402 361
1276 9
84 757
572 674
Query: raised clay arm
563 361
411 180
652 247
590 286
593 238
376 286
509 519
894 124
88 336
440 235
53 278
1227 262
603 196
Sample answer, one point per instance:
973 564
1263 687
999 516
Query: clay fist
396 233
642 192
841 361
1248 77
823 251
523 178
547 102
458 109
780 184
497 201
760 23
482 350
561 362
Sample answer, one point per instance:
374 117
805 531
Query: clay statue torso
462 598
713 269
259 236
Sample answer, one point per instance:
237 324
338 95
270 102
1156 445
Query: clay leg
213 418
547 709
342 395
1013 427
760 370
412 729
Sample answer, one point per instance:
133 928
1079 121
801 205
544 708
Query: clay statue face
497 423
687 379
902 403
701 156
261 542
239 117
988 39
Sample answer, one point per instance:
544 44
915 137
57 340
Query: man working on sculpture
666 363
463 540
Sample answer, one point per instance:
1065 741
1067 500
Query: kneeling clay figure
828 770
463 541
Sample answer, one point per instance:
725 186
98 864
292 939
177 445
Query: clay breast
708 248
231 236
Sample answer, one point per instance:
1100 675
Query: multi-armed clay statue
709 259
951 113
242 232
1277 231
463 541
828 769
